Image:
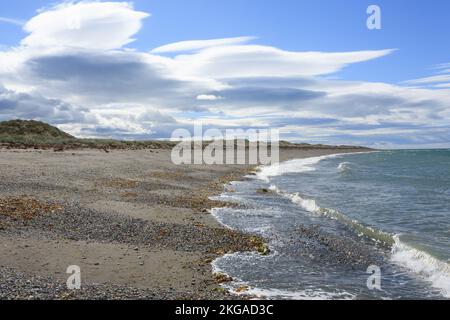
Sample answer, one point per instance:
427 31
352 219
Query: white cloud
442 85
193 45
440 81
15 22
432 79
263 61
84 80
441 66
208 97
88 25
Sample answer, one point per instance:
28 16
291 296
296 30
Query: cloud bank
76 69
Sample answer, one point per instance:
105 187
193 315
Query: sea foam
264 293
310 205
429 268
344 167
424 265
291 166
295 166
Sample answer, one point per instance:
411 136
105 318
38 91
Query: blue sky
417 28
403 111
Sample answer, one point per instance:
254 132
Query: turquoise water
328 219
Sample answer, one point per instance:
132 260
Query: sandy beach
137 225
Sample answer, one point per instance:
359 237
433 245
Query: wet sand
137 225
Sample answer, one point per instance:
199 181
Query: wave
344 167
421 263
292 166
296 166
311 205
429 268
418 262
235 287
307 294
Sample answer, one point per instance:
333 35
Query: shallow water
329 219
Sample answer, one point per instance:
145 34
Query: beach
138 226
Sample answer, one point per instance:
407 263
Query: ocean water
331 220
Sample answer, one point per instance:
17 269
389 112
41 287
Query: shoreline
136 224
244 291
421 264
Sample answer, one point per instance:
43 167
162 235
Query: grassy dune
25 134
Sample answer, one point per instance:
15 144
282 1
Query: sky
312 69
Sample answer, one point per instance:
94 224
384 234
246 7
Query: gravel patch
15 285
76 223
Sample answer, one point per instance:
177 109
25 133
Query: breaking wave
237 285
295 166
421 263
311 205
344 167
429 268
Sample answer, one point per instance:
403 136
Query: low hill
26 134
30 131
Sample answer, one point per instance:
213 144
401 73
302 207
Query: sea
372 225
